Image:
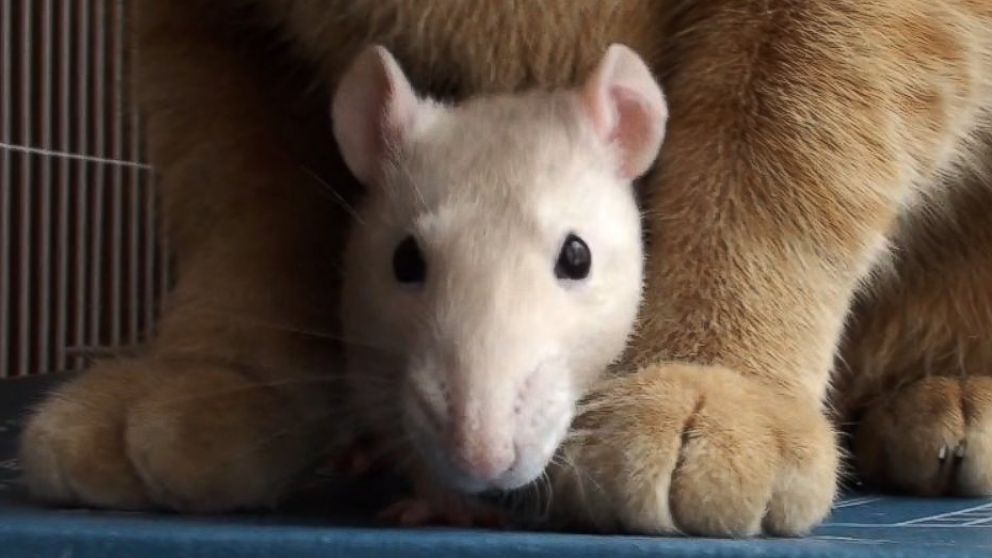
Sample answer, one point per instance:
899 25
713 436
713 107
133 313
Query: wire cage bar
83 264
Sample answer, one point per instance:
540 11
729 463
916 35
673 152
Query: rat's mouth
530 455
524 470
489 436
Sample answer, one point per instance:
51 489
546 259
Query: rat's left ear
626 107
374 109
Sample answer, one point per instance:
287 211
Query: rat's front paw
418 512
698 450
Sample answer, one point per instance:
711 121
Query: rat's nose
482 454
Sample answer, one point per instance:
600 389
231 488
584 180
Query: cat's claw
959 452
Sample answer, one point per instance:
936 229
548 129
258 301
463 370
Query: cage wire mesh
82 263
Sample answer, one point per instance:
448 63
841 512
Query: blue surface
861 526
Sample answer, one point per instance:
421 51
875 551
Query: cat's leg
234 397
797 133
915 385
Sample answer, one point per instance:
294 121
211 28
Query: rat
494 268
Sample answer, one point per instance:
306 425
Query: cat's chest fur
461 48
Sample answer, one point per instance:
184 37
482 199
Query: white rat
495 266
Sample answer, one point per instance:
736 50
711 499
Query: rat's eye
408 262
574 260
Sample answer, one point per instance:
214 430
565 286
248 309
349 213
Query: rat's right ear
626 107
373 109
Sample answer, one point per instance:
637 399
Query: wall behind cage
81 261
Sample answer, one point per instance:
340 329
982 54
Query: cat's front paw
698 450
72 447
185 436
932 437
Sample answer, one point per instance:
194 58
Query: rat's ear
373 109
626 107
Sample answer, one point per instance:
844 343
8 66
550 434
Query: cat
818 248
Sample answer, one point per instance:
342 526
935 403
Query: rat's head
496 262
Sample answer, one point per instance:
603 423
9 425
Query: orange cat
820 156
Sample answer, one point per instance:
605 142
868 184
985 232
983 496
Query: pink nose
483 457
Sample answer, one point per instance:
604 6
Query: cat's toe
932 437
72 449
208 439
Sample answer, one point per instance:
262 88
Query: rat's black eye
574 260
408 262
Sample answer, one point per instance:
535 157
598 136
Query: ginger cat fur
827 163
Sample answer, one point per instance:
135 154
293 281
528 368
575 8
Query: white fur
482 365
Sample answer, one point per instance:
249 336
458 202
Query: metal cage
82 263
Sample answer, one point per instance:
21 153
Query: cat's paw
72 448
698 450
932 437
188 437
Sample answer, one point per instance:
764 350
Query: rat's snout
490 428
473 428
481 449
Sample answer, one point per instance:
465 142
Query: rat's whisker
379 378
331 193
549 488
253 386
580 478
291 328
412 180
272 437
580 434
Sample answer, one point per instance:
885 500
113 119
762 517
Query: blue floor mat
861 525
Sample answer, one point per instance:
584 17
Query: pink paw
418 512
